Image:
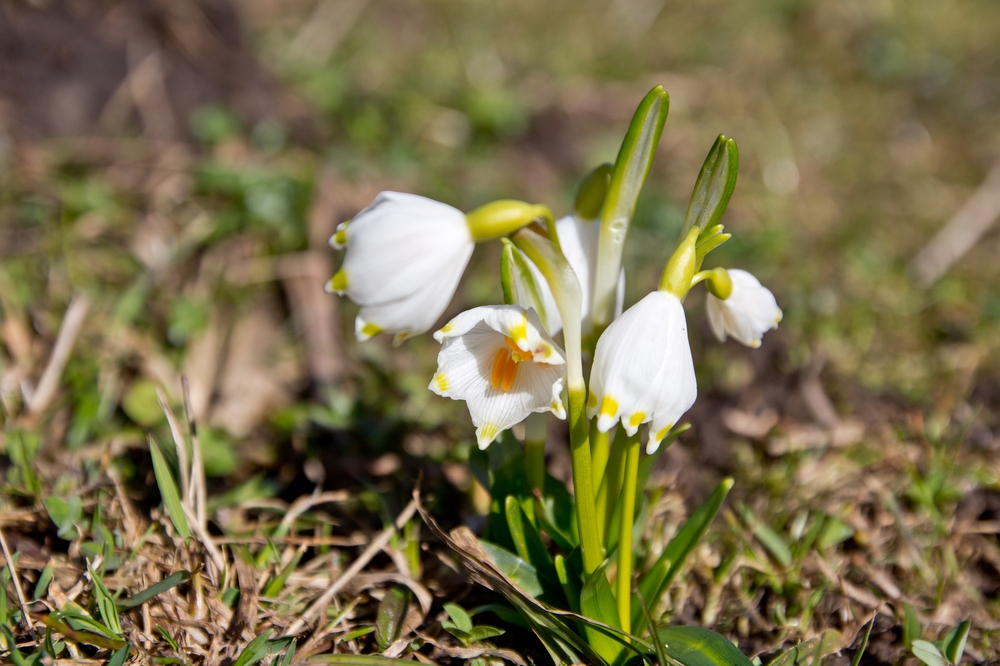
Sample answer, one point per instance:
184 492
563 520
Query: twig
68 331
373 549
17 586
963 230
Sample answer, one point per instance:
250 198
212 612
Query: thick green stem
624 582
599 451
583 481
611 485
535 431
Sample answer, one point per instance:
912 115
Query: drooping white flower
748 313
405 256
643 371
502 363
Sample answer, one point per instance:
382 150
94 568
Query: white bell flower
405 256
748 313
643 371
500 360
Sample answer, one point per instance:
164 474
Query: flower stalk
625 556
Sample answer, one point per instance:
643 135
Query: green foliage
391 615
714 187
168 490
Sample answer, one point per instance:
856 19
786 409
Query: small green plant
405 257
942 652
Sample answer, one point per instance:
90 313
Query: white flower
405 256
643 371
500 360
578 240
747 314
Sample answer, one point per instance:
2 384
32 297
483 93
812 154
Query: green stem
624 582
599 451
535 432
611 485
583 481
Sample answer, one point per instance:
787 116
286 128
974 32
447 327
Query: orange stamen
509 373
499 361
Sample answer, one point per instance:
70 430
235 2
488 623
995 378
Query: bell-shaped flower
405 256
748 313
643 371
502 363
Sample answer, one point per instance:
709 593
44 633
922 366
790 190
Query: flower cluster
405 256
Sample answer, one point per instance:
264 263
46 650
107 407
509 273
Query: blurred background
177 166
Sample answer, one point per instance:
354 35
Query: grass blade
168 490
153 590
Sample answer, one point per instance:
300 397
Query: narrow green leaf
289 655
459 617
661 654
911 627
807 652
516 569
105 603
360 660
928 653
627 178
597 602
864 642
278 582
834 531
505 613
714 187
254 651
391 615
529 546
592 192
658 580
142 597
44 578
13 654
168 490
523 284
954 646
120 655
77 636
570 583
357 633
768 538
697 646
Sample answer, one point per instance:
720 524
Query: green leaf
928 653
168 490
569 582
697 646
484 632
391 615
513 567
864 642
592 192
658 580
834 531
142 597
714 187
954 642
42 586
529 546
768 538
523 284
808 651
65 514
911 627
289 655
255 650
120 655
505 613
459 617
278 582
627 178
597 602
105 603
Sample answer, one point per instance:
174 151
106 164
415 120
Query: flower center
505 364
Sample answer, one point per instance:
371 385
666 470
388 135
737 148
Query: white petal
465 365
747 314
643 369
513 321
